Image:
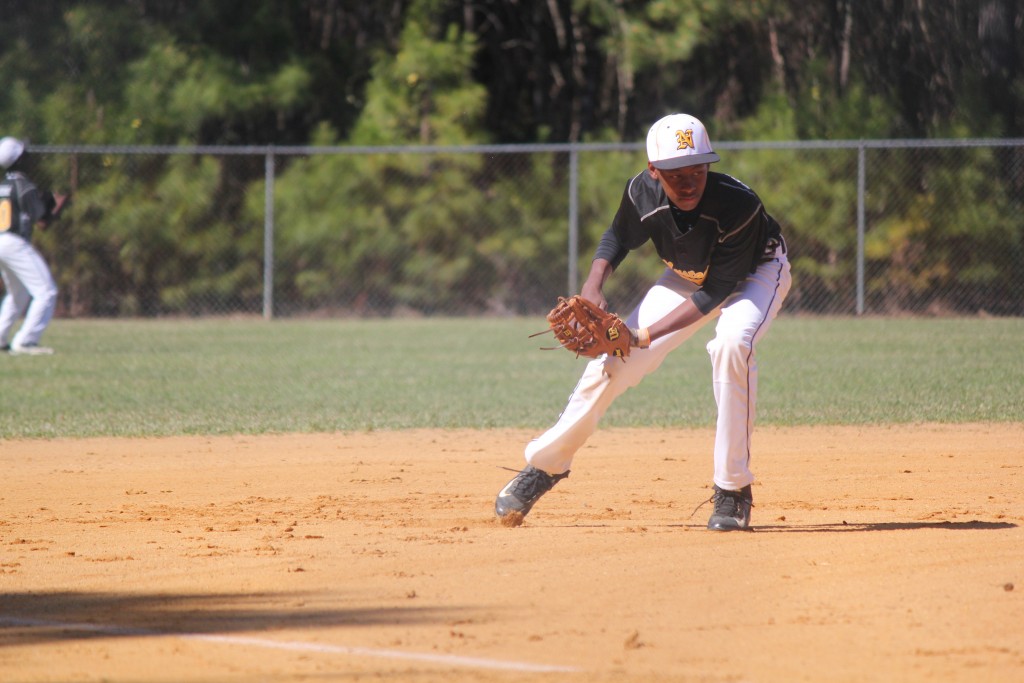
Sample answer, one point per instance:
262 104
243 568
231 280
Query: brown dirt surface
879 554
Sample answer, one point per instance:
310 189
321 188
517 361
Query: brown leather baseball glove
583 328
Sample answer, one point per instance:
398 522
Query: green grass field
167 377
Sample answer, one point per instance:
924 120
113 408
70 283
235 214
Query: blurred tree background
458 72
228 72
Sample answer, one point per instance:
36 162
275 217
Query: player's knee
48 296
731 348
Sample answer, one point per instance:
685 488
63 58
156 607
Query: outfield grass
141 378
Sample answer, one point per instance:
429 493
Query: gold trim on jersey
693 276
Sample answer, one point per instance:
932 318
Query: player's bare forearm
592 290
682 316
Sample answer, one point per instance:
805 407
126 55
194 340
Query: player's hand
59 202
55 204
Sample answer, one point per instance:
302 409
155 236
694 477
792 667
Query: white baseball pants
743 319
30 290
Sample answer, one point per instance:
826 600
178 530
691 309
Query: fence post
861 184
574 220
268 237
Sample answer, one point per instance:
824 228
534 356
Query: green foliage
528 256
821 115
417 246
964 238
151 240
424 94
652 34
173 92
153 236
104 44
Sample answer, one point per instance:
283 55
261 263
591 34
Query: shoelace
732 496
534 482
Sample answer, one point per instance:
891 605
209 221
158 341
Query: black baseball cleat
525 489
732 509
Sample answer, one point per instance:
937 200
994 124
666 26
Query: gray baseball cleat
732 509
30 350
525 489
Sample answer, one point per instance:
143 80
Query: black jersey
715 246
21 204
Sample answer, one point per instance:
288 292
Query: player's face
684 186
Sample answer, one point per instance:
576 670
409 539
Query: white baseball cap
11 150
679 140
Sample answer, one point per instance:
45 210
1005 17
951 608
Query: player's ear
653 171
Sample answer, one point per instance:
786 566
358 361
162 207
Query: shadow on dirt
973 525
29 618
783 528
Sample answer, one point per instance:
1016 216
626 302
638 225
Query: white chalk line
298 646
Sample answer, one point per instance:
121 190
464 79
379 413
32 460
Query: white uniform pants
743 320
29 286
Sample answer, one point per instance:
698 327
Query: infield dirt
879 554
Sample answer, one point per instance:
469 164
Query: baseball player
726 260
30 287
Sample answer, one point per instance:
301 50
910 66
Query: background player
27 279
725 259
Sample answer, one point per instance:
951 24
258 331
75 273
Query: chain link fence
922 227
